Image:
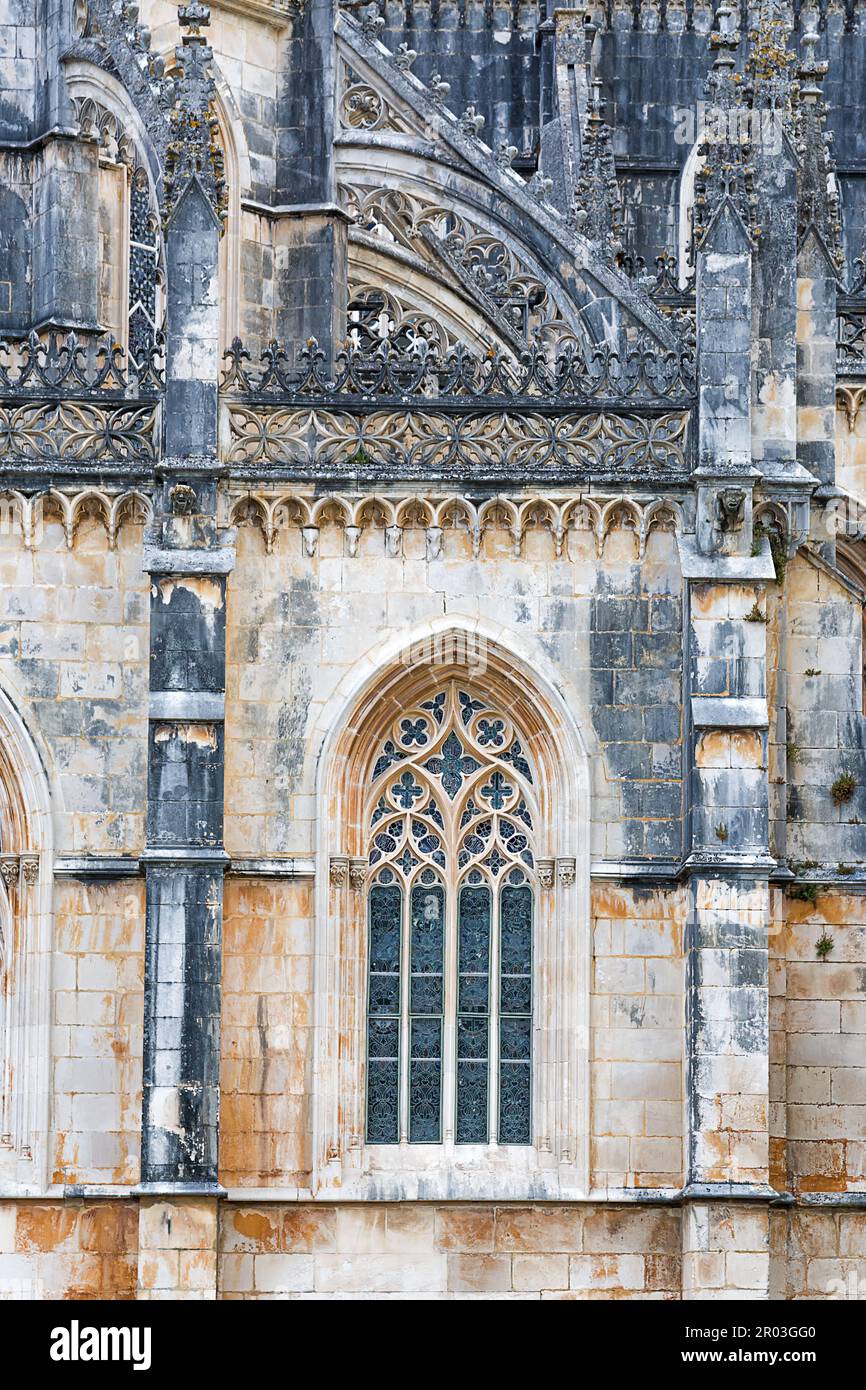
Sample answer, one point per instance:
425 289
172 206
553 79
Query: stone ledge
158 561
728 712
83 866
273 868
195 705
730 568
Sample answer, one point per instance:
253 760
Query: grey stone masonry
724 320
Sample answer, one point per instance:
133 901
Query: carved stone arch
86 81
396 677
438 249
774 516
445 154
26 867
387 299
135 246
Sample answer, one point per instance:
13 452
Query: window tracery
451 815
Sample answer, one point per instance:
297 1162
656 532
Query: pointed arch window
450 817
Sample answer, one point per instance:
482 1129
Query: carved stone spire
597 211
725 172
194 150
818 199
770 65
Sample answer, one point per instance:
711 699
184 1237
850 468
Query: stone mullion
544 1044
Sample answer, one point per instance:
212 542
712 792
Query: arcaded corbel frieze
520 514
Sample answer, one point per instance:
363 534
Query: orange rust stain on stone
713 749
43 1226
256 1229
307 1229
465 1230
109 1228
609 902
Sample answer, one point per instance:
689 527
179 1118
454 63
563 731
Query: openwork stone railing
851 339
74 400
406 410
417 369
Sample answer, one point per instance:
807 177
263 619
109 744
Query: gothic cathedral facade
432 576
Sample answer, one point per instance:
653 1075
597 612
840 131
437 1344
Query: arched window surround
26 871
557 1161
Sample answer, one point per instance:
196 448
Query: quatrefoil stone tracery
451 788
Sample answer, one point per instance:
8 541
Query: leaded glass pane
473 1006
426 1002
425 1081
383 1015
143 270
515 1020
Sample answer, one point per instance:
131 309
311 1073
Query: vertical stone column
728 979
774 299
311 234
188 557
816 372
65 235
192 328
726 1219
724 324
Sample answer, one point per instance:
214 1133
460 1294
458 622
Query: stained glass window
451 813
143 269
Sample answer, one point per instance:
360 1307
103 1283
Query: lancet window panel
450 918
144 269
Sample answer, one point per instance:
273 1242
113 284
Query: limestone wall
73 654
462 1252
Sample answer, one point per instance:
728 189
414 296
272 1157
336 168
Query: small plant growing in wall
843 788
755 615
811 672
792 752
803 892
845 869
824 946
721 832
